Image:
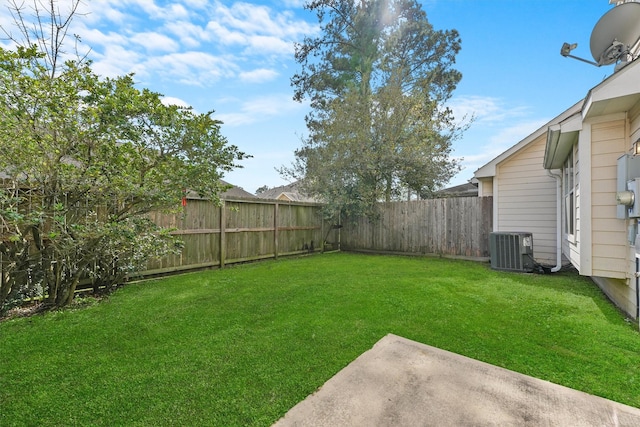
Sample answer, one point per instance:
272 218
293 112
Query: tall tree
262 189
377 78
84 160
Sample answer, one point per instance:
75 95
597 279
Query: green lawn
241 346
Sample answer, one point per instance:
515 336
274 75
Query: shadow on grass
569 281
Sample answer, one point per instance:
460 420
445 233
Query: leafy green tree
84 161
262 189
377 78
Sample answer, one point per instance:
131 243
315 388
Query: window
569 194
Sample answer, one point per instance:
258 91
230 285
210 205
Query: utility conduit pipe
637 273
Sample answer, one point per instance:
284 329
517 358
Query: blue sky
236 57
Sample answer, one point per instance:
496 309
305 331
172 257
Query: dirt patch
37 307
24 310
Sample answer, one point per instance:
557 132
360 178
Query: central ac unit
512 251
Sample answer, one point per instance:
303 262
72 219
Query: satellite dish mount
566 52
614 39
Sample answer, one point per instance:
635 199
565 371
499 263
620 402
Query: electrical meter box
628 170
634 186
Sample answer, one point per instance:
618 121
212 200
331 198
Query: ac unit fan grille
512 251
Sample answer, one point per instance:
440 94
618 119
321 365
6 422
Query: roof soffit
619 93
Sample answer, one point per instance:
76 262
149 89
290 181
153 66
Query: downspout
558 179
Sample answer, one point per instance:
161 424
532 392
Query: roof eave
489 170
618 93
560 139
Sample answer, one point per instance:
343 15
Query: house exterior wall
606 123
613 255
527 199
609 235
634 121
621 292
485 187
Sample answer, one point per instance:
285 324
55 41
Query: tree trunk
387 191
74 284
5 281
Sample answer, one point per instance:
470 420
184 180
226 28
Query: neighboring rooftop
236 192
290 193
468 189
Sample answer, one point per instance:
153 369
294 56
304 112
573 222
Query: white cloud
189 34
192 68
116 60
271 105
268 45
114 15
171 100
255 44
5 17
155 42
485 109
96 38
98 11
294 3
226 36
197 4
172 11
515 133
254 19
495 128
260 75
194 42
261 108
258 28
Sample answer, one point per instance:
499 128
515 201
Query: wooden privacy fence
253 229
449 226
242 230
236 231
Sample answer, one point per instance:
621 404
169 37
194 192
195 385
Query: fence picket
451 226
243 230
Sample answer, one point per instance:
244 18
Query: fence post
275 229
321 232
223 238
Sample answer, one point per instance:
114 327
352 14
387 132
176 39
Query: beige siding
609 234
527 199
634 118
485 187
622 294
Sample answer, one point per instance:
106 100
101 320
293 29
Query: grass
241 346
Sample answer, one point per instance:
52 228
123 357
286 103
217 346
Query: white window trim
569 189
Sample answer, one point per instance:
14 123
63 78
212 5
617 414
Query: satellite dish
616 33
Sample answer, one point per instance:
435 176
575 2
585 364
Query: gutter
558 179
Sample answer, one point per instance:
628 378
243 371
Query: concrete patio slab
400 382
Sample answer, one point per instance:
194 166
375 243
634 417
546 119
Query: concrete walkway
404 383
